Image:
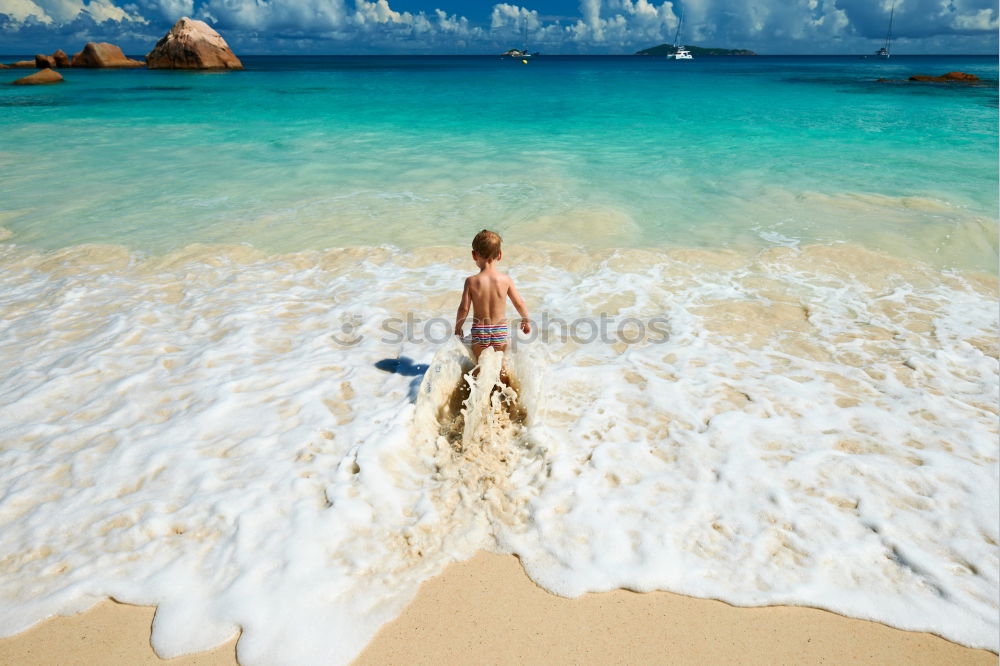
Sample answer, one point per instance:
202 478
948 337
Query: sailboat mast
677 35
888 34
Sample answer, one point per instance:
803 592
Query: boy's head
486 245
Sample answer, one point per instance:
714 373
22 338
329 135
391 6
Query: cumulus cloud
922 18
624 22
104 10
20 11
601 26
977 20
168 10
379 12
515 26
308 16
62 12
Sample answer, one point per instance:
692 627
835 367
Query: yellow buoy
525 62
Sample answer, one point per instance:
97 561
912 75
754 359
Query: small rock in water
42 61
192 44
945 78
40 78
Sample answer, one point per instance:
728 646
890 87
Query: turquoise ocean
315 152
763 367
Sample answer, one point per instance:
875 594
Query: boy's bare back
486 294
487 291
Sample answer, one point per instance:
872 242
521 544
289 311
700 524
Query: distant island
668 49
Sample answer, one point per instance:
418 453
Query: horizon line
584 55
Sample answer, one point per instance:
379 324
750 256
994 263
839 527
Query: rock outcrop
42 77
192 44
103 54
23 64
945 78
57 59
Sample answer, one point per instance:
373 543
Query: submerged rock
945 78
192 44
42 77
103 54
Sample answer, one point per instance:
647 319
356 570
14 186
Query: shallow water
229 386
309 153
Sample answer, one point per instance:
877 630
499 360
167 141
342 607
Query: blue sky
554 26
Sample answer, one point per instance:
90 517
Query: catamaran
680 53
884 51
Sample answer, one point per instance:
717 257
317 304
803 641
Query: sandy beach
486 610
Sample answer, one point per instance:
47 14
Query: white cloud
511 16
375 21
625 21
22 10
104 10
922 18
976 20
452 24
510 23
608 26
61 12
591 11
170 10
310 16
379 12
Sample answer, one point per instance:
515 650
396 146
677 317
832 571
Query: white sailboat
680 53
884 51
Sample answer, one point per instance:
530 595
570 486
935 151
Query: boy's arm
463 309
520 306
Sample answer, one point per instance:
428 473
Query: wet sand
488 610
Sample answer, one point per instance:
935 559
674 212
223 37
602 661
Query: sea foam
216 432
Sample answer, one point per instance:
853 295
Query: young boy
487 292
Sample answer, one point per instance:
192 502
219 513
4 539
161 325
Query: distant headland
669 49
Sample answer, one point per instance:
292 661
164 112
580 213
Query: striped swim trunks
489 335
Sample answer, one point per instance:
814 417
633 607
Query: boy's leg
476 351
503 363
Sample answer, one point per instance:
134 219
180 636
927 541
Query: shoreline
487 608
122 258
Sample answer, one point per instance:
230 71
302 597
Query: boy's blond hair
487 244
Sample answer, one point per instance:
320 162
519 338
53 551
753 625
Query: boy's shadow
405 366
